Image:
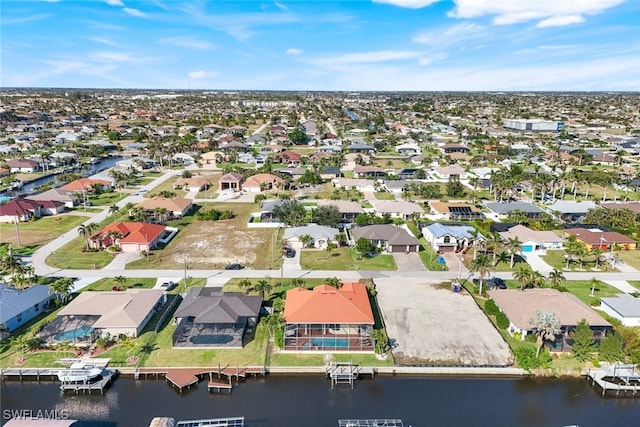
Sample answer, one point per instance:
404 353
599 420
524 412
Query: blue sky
322 45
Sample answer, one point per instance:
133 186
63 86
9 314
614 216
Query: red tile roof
84 184
134 232
19 207
593 237
326 304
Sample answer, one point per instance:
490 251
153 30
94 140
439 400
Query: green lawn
107 199
383 195
556 259
631 258
40 231
635 284
71 256
429 257
107 283
344 259
164 355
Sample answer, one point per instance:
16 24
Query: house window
19 317
37 307
447 239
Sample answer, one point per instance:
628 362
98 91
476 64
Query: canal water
310 401
104 163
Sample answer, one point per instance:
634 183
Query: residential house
570 210
86 184
19 306
287 157
599 237
409 149
176 207
386 237
321 236
20 210
262 182
450 238
231 181
504 209
348 209
210 318
232 146
394 186
22 165
450 172
521 307
68 198
330 172
632 206
624 307
354 184
397 209
328 319
195 183
455 148
130 236
49 207
533 240
361 171
360 148
95 314
456 211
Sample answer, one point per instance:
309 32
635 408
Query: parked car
492 283
168 286
289 252
234 266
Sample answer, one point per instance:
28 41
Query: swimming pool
211 339
323 343
74 334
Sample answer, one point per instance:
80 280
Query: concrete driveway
428 324
408 261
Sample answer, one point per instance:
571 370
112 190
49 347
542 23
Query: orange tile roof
84 184
326 304
134 232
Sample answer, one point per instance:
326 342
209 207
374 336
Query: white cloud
102 40
294 51
114 2
409 4
560 21
134 12
548 12
202 74
369 57
452 35
110 56
187 42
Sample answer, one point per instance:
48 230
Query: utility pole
17 232
185 270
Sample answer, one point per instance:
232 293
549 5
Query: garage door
447 248
528 248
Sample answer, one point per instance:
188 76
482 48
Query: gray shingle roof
623 304
392 234
210 305
506 207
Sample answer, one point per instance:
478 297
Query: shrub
491 308
526 357
278 337
502 320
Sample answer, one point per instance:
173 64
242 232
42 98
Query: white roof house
18 306
320 235
117 312
623 307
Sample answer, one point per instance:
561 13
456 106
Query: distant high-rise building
536 125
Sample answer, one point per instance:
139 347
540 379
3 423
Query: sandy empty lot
428 325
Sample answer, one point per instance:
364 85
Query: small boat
79 372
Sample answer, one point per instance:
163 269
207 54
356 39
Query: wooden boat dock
623 379
371 423
100 385
182 378
30 373
346 373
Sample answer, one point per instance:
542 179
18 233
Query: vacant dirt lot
428 325
213 244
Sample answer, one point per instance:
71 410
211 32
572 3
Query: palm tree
502 257
305 239
10 262
514 246
483 266
245 284
273 322
555 277
62 287
298 282
494 241
598 253
83 230
594 282
523 275
113 210
121 281
263 287
333 281
381 340
537 279
546 327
